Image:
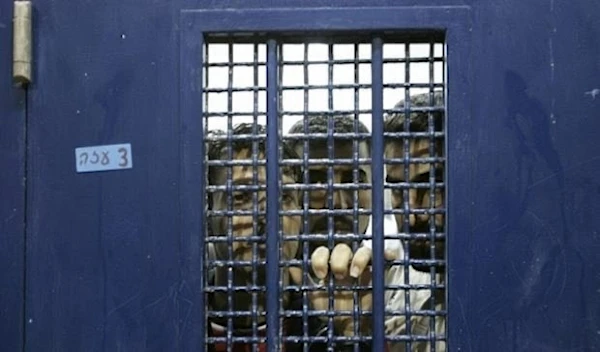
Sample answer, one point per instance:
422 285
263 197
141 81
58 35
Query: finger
392 249
296 275
320 261
361 259
340 260
390 255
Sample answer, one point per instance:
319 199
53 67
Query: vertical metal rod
378 201
355 204
255 208
432 189
230 189
272 199
305 206
330 193
405 193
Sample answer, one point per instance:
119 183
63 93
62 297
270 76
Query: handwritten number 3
124 161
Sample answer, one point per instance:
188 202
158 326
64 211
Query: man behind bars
418 198
342 261
244 226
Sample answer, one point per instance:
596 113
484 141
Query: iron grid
250 103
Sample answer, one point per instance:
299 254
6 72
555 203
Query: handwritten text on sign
103 158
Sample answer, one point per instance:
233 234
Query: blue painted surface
12 192
112 260
377 151
273 218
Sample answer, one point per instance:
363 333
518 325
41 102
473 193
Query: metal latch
22 43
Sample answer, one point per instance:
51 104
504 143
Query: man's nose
415 203
342 199
423 203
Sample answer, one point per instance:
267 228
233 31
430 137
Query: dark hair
320 124
419 120
217 142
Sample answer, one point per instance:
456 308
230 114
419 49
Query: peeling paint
593 93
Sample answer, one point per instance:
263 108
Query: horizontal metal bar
323 212
317 136
414 337
313 288
312 113
416 185
423 36
296 263
323 339
320 186
321 238
297 187
327 212
296 288
303 237
237 137
424 211
327 62
300 313
310 87
360 86
236 339
360 136
357 161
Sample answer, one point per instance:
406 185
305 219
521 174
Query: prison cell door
265 63
101 248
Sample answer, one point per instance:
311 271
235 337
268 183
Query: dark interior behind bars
351 145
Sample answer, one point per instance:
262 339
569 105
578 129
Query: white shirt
395 298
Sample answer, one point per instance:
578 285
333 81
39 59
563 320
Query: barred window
311 160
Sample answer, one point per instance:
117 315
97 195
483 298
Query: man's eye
347 177
287 197
317 176
362 176
240 197
397 192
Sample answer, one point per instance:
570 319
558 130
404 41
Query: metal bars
317 153
273 288
377 166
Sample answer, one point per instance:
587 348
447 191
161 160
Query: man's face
243 225
342 198
418 198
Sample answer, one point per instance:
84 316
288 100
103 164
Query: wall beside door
12 192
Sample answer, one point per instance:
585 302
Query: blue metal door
199 27
113 260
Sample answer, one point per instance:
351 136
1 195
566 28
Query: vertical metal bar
432 187
355 205
230 191
305 205
378 202
330 193
405 194
272 199
255 199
